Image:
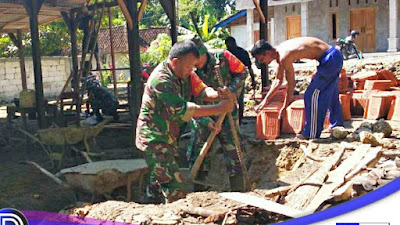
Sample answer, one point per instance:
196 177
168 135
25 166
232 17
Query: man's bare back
301 48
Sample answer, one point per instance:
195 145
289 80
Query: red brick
359 101
394 112
365 75
345 103
294 120
268 124
388 75
359 85
378 85
343 84
378 106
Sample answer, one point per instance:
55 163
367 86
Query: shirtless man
322 94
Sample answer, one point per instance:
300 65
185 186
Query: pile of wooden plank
337 177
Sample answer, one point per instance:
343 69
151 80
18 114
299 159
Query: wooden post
21 60
174 31
264 35
114 76
18 42
169 9
72 23
134 61
33 7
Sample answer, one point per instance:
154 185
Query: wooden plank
336 177
372 154
301 197
264 204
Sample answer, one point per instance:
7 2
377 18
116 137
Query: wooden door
363 20
293 27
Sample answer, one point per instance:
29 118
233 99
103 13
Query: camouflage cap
200 45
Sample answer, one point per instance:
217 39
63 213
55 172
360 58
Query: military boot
236 182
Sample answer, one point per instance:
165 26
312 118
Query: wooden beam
264 204
264 35
19 19
136 87
126 13
18 42
33 7
336 177
301 197
114 76
72 22
169 8
260 12
141 10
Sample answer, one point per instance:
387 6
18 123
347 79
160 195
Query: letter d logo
12 217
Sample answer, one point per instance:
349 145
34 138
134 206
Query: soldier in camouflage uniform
101 98
233 74
166 108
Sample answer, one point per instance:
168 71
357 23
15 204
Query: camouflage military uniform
104 99
165 109
233 75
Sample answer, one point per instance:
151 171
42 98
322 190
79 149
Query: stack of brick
371 94
375 95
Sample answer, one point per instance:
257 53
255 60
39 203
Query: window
358 2
294 8
333 26
285 8
337 3
349 2
330 4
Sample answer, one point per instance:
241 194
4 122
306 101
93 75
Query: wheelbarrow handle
52 176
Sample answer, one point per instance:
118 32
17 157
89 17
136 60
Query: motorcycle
347 48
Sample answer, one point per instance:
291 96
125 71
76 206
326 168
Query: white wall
55 72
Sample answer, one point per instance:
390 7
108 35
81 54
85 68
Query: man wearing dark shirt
243 56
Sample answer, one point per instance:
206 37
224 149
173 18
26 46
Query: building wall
280 14
56 71
319 19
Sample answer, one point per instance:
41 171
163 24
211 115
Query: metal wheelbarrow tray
102 177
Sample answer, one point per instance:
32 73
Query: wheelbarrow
100 178
65 136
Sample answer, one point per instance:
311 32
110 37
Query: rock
383 181
381 126
397 161
392 174
388 143
368 138
356 134
367 182
367 125
377 173
339 133
388 165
